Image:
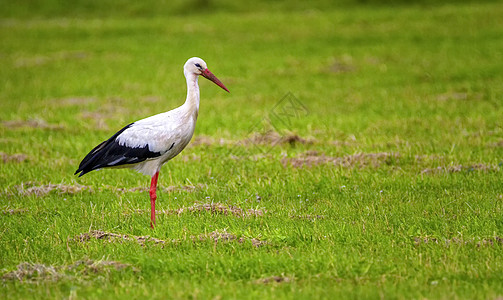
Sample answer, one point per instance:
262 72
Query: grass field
358 155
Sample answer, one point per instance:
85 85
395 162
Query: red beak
208 75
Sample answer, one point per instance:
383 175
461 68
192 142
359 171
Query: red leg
153 197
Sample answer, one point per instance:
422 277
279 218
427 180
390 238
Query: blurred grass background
420 79
151 8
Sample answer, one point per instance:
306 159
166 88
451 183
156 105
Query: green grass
404 112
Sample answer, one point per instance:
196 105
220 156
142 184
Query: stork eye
199 66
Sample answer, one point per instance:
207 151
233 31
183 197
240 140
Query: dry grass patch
339 67
270 138
497 144
219 208
29 188
74 101
459 241
98 119
14 211
274 279
343 143
273 138
32 272
109 110
427 158
113 237
224 236
32 123
203 140
171 188
460 168
359 160
39 60
452 96
308 217
213 208
17 158
216 236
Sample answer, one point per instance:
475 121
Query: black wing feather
111 154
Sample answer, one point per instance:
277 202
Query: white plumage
147 144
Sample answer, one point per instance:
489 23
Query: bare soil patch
359 160
17 158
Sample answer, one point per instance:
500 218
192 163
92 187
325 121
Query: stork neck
192 101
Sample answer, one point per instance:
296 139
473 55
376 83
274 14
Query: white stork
147 144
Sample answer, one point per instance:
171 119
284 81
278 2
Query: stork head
197 66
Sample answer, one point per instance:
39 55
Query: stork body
147 144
